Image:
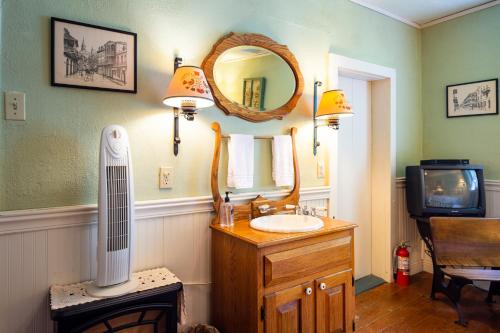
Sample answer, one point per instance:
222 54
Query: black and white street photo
93 57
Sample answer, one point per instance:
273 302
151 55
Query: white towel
283 174
240 165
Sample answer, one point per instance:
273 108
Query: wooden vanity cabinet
271 282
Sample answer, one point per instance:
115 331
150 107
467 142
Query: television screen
455 189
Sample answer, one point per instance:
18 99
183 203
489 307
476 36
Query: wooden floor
389 308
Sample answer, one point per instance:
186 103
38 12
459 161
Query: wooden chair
465 250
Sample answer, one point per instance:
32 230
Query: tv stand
453 287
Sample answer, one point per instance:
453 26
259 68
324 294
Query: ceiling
240 53
421 13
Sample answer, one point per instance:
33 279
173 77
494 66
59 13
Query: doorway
354 184
363 162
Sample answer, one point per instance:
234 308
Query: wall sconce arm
316 144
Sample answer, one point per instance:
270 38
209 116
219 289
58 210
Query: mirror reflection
254 78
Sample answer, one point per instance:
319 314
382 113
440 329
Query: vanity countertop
242 230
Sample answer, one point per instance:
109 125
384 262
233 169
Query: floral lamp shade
188 89
333 104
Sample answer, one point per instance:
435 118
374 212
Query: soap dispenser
226 212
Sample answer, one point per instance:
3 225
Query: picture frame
254 92
477 98
247 93
93 57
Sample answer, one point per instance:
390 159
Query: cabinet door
335 303
290 310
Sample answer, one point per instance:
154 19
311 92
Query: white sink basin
286 223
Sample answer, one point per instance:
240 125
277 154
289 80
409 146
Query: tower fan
116 216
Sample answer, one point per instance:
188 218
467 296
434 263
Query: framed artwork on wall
247 93
93 57
253 93
472 99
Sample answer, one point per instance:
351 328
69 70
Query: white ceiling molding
386 13
461 13
242 54
432 22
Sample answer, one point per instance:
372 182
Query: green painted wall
51 158
461 50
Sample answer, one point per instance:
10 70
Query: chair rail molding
76 216
489 184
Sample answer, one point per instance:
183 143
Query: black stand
494 289
155 309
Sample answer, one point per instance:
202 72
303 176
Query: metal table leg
451 289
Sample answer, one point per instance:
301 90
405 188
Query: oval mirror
253 77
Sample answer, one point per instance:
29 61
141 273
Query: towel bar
256 137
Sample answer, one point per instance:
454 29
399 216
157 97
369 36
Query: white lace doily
74 294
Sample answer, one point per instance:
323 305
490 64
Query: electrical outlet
14 106
321 169
166 177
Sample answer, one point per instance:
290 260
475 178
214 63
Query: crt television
448 188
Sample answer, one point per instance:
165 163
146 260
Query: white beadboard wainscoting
407 228
41 247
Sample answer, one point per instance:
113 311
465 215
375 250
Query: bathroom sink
286 223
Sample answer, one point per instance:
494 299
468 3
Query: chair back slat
468 242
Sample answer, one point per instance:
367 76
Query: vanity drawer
307 260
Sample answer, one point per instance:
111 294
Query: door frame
383 107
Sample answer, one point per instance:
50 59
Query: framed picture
93 57
247 92
253 93
472 99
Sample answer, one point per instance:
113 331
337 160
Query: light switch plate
15 105
321 169
166 177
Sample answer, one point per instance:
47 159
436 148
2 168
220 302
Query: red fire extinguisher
402 265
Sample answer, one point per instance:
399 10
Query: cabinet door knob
322 286
309 291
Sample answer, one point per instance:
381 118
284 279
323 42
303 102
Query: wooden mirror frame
232 108
250 210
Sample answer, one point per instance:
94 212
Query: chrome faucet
289 209
302 210
314 211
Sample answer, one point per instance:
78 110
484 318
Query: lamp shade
188 89
333 103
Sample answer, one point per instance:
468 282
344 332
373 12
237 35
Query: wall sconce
188 91
333 105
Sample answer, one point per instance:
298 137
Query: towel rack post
214 181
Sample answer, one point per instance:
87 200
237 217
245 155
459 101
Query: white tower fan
116 216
